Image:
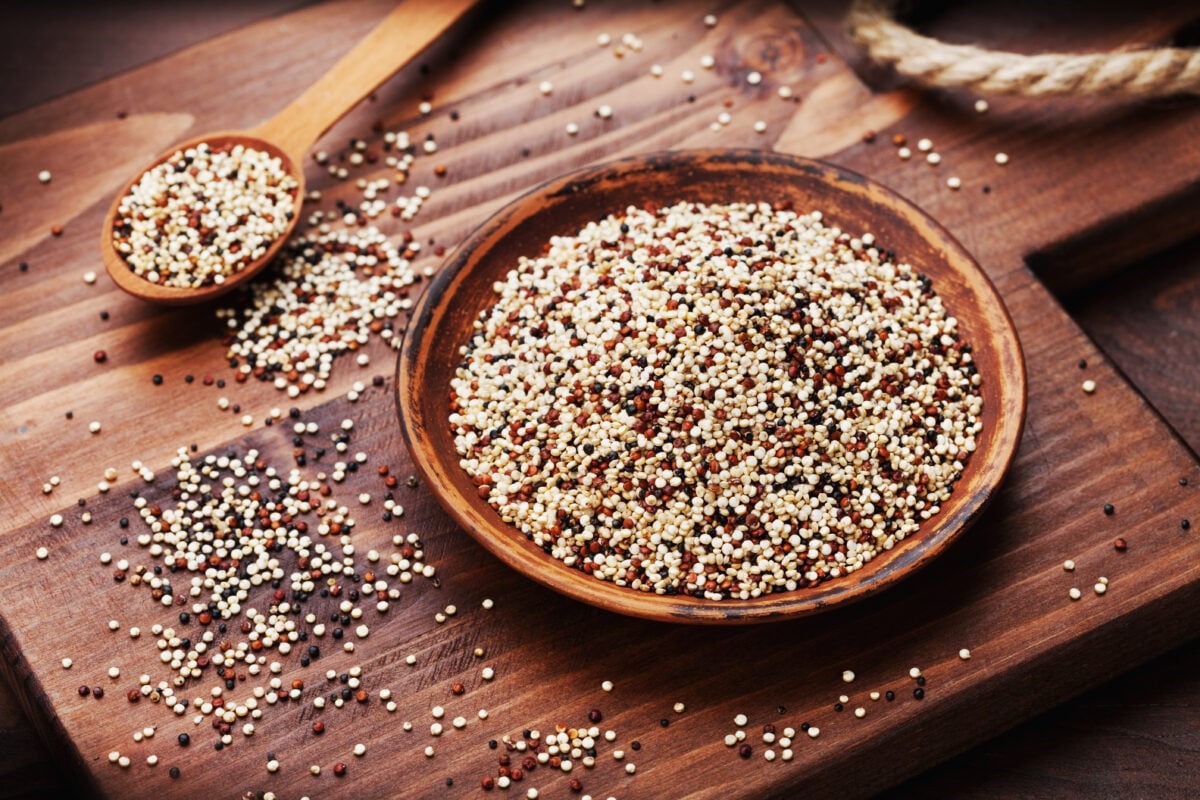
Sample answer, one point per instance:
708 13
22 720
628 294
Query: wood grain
1112 741
1000 591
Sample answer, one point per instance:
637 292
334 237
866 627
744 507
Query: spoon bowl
443 320
131 282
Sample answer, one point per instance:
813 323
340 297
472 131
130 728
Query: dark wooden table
1133 737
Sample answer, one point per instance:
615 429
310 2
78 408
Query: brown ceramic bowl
442 320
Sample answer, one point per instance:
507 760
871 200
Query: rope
1133 73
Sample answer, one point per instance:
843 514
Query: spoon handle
402 34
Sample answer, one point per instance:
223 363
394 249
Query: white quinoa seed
904 154
914 673
42 553
1074 593
981 106
740 720
721 438
847 676
1002 158
964 654
44 176
1088 386
1068 566
954 182
1100 588
933 159
754 78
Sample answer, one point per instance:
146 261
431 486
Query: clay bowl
442 320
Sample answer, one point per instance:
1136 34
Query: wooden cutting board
1090 186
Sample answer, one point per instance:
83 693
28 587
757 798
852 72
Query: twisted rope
1135 73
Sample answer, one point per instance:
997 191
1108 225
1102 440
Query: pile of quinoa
203 214
720 401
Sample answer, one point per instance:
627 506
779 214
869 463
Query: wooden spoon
443 320
402 34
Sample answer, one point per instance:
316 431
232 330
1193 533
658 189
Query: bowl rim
911 554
